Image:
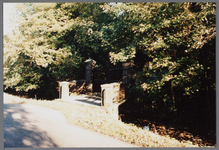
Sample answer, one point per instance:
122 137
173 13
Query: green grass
97 119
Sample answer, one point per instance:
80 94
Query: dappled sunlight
19 132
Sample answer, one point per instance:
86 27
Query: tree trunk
206 81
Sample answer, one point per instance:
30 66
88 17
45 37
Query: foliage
172 46
29 55
48 43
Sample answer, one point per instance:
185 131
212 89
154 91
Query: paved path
33 126
84 99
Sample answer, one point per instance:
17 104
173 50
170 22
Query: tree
173 48
34 51
51 44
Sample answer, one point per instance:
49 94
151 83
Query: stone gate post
63 90
106 95
110 98
90 63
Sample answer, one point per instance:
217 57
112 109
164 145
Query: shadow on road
93 100
19 132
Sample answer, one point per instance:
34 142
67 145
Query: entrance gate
120 72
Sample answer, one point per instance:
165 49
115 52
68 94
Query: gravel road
38 127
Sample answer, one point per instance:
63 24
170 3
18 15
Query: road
38 127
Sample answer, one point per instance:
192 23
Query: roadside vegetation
97 119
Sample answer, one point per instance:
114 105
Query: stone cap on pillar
109 85
106 85
63 83
89 60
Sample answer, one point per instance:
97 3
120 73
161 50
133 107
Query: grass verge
97 119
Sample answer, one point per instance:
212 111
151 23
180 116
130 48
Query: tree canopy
171 46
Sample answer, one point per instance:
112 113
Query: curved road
38 127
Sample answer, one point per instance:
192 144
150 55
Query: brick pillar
110 98
115 111
63 90
115 92
90 63
126 73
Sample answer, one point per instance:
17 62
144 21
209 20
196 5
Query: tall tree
34 51
51 43
173 48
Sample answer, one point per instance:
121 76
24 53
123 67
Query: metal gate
109 74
